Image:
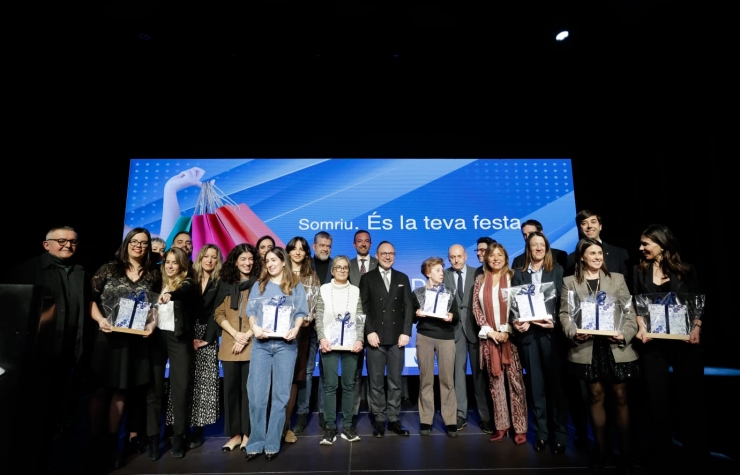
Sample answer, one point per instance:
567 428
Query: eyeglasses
342 268
387 254
135 243
63 242
480 251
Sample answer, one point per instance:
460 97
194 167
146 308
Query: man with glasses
184 241
389 308
62 351
480 251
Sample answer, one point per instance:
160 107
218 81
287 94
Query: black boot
178 446
153 450
197 439
116 454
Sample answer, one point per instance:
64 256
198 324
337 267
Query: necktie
362 266
387 279
459 284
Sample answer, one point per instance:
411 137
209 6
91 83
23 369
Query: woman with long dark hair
300 265
238 274
662 270
121 362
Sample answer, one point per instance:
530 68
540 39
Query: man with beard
358 266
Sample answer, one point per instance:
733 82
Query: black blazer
522 277
643 283
388 313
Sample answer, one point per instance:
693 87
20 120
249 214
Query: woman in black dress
121 363
662 270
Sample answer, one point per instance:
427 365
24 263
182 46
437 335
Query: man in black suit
616 258
358 267
530 226
389 308
460 277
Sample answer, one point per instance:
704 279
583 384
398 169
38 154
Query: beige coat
614 286
225 312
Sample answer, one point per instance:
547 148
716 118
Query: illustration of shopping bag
244 225
206 227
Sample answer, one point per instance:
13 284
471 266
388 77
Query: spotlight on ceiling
562 35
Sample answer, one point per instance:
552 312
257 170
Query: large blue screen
422 206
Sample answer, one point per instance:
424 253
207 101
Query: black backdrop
630 100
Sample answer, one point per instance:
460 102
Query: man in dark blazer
363 260
358 266
466 339
65 334
530 226
389 308
616 258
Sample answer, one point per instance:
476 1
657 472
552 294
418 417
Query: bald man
460 278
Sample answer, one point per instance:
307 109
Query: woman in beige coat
596 359
236 342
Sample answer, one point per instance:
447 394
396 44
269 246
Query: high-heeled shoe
498 435
232 444
520 439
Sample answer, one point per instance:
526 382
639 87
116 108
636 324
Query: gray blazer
354 269
614 286
467 324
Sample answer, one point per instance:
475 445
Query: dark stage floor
470 452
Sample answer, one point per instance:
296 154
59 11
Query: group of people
275 309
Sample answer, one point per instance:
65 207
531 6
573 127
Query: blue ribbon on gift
667 300
529 291
277 302
440 289
344 319
139 302
600 302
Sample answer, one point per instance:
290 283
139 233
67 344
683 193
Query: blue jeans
273 361
304 387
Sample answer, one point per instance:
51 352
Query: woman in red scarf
497 354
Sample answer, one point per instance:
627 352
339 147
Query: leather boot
152 451
178 446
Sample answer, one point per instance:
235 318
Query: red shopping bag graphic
243 225
207 229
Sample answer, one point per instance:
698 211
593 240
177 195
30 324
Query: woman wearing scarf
239 271
497 354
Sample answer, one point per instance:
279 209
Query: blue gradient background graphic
299 197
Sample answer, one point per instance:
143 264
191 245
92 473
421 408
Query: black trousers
236 398
179 350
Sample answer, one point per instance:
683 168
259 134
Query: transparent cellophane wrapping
598 314
132 312
312 299
669 315
342 331
276 315
434 302
531 302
